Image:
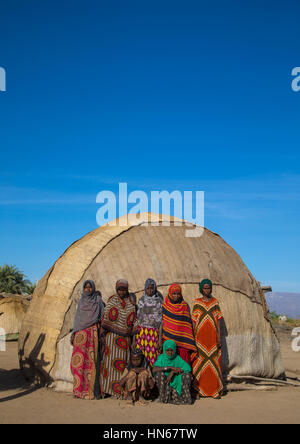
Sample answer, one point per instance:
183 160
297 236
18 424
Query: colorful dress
119 321
141 383
85 363
177 325
206 363
178 390
149 317
85 360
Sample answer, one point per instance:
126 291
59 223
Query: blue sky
164 95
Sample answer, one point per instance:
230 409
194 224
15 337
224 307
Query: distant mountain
284 304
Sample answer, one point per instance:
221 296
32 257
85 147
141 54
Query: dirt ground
22 404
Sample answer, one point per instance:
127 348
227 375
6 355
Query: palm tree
30 288
13 280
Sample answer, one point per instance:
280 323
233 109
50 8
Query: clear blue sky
164 95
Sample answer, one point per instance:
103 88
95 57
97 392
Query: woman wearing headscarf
177 323
206 316
149 320
117 331
85 361
173 376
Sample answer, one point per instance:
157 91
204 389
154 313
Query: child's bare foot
132 400
142 401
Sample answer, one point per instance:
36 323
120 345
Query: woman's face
122 292
88 288
136 361
206 289
150 290
170 352
175 296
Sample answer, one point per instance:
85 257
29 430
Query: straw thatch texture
136 253
12 311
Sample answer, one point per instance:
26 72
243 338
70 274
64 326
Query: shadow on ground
14 380
29 377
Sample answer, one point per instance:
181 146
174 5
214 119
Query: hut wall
12 311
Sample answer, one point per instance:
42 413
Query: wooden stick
242 388
255 378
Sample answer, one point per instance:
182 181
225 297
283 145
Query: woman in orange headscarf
177 323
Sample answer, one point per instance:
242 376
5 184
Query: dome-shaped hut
12 311
139 251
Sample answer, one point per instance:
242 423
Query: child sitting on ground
137 381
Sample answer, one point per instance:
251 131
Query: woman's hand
169 378
176 370
102 341
160 346
138 370
133 344
102 348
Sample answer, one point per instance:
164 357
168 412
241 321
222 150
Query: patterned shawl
177 323
89 309
150 307
120 315
174 361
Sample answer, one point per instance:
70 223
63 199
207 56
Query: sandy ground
20 403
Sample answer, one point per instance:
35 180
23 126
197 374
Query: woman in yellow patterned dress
149 319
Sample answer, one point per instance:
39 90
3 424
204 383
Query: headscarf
174 361
121 283
202 283
177 322
139 353
150 307
175 288
120 313
90 308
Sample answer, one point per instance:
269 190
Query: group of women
155 348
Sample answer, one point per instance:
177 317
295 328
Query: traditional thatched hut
137 252
12 310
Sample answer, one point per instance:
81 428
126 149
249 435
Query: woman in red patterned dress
206 362
85 361
117 330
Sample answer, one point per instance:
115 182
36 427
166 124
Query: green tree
274 315
13 280
30 288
